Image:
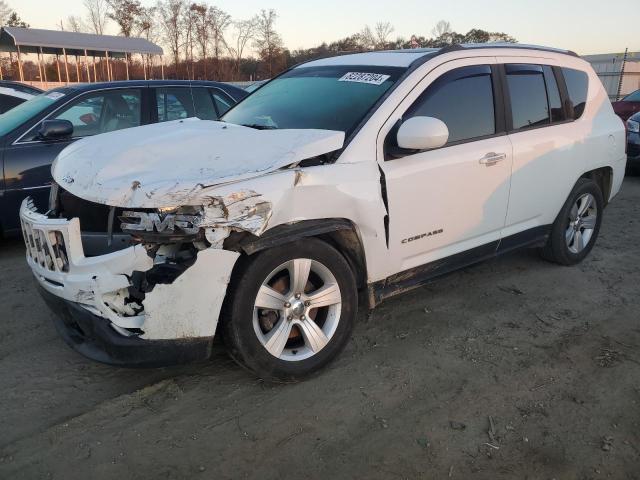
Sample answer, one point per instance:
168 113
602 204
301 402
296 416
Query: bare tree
75 24
267 41
125 13
188 27
97 15
202 30
5 12
146 25
219 22
244 31
383 31
442 27
170 14
366 39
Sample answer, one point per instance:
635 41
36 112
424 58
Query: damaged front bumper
174 322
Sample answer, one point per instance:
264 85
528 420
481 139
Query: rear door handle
492 158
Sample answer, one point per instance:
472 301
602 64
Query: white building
608 67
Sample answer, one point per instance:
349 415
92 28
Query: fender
290 232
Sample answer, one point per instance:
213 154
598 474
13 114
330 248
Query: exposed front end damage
136 259
145 295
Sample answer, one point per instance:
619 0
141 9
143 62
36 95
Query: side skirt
418 276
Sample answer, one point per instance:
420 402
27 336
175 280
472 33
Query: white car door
453 199
549 150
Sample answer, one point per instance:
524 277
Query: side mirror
422 133
55 130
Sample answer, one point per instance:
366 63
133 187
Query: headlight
633 126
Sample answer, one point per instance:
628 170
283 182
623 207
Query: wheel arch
340 233
603 177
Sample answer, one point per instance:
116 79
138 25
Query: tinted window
7 102
174 103
203 104
102 112
223 102
528 95
555 104
463 100
577 85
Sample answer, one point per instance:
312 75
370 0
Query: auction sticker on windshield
362 77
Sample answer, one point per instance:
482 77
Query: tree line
202 41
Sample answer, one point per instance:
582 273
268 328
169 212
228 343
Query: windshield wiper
259 127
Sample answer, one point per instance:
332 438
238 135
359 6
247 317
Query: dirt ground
514 368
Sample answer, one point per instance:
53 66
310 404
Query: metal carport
63 43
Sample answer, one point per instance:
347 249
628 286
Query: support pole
95 73
162 66
144 66
20 65
44 68
39 67
66 64
126 62
1 77
58 65
108 68
86 64
77 70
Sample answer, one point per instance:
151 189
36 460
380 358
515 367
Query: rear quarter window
577 86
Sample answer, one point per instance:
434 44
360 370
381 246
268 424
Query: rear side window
577 86
553 93
463 100
528 96
223 102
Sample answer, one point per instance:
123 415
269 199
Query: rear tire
291 309
576 228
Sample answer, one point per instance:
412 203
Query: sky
586 27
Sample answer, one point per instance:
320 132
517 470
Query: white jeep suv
367 173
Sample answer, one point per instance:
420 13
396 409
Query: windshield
15 117
331 98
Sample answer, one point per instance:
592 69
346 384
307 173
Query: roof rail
519 46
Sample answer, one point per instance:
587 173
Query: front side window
331 98
463 100
528 96
577 86
101 112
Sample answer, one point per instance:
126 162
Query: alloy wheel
297 309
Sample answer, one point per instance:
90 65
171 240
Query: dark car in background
36 131
628 106
633 144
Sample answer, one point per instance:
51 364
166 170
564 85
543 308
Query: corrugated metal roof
56 39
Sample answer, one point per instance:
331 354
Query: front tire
291 309
576 228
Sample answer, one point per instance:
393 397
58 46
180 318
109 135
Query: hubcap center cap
297 307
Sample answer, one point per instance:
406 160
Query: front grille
46 247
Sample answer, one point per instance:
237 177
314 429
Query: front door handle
492 158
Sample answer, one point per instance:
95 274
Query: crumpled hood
169 164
